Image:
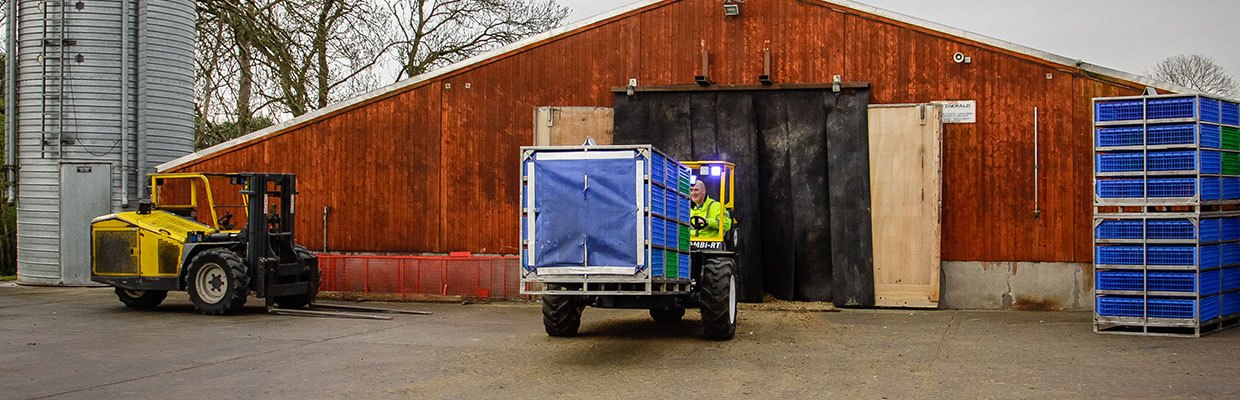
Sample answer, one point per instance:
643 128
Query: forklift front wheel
217 282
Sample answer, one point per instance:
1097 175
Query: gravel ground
81 343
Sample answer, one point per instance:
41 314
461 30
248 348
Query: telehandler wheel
717 295
301 300
217 282
145 299
667 315
561 315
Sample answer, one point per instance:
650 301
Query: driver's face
698 192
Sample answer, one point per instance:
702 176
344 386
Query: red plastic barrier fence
475 277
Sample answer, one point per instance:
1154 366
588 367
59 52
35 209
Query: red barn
428 166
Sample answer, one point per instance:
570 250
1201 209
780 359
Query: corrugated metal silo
104 93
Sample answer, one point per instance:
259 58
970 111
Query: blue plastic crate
658 172
1211 161
1119 136
1173 107
1209 110
673 234
657 205
673 201
683 259
1211 188
673 175
1204 283
1211 136
1118 110
1171 255
1169 229
656 262
1121 162
1171 134
1205 310
1118 255
1210 230
1230 304
1209 256
1121 188
1175 187
1229 254
1230 113
658 231
1230 228
1119 229
1116 306
1119 280
686 209
1231 188
1229 279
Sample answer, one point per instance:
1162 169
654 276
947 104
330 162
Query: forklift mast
269 234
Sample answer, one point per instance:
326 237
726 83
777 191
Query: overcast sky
1129 35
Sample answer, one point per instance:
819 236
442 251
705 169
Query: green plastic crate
1231 164
1231 138
671 264
684 238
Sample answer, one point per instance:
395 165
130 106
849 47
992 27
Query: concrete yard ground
81 343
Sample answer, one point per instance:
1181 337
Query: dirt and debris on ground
81 343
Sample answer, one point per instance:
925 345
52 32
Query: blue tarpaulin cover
585 224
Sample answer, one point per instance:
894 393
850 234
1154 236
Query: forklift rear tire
718 298
302 300
561 315
667 315
217 282
144 299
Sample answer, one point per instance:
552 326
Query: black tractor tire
665 315
217 282
143 299
561 315
301 300
717 295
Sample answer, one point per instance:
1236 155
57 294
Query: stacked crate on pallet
604 219
1166 214
669 228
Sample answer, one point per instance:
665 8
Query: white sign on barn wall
959 112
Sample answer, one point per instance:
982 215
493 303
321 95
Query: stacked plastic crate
1166 214
669 226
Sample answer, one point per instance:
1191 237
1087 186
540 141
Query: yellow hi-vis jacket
716 216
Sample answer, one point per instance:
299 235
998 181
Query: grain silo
104 92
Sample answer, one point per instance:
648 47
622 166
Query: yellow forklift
178 241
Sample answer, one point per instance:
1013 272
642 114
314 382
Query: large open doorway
803 177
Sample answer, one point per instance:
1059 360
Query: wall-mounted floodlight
732 8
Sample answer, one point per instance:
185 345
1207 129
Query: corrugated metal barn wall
432 167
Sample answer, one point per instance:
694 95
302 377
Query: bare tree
1197 72
263 60
434 33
